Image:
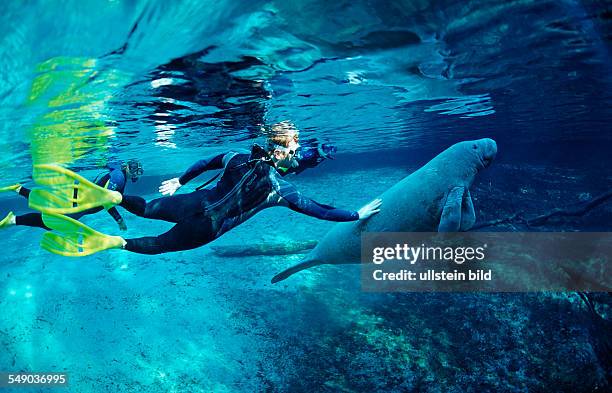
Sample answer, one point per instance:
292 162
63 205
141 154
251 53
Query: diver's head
282 144
133 169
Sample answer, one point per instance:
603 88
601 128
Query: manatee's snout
488 151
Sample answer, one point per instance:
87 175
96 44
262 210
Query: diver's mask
135 170
291 160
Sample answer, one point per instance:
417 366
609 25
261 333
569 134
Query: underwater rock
576 210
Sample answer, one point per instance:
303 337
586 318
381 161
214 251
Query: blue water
87 84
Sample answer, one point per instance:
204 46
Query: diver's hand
169 187
327 150
370 209
122 225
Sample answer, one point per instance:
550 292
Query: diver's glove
313 155
122 225
370 209
327 150
169 187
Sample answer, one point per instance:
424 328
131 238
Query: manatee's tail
306 264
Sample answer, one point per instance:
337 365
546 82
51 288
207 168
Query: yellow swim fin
65 192
8 220
75 239
14 187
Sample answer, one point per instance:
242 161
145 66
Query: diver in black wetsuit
115 179
250 182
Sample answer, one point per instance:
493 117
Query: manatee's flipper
307 264
66 192
468 215
450 220
74 239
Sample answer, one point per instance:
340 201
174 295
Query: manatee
436 197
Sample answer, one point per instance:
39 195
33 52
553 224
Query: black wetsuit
114 180
246 186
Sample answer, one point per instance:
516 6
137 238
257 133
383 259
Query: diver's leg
35 219
77 216
24 192
171 208
186 235
31 220
134 204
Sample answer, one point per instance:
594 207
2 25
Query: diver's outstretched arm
169 187
294 199
118 219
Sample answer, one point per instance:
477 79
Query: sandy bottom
192 321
